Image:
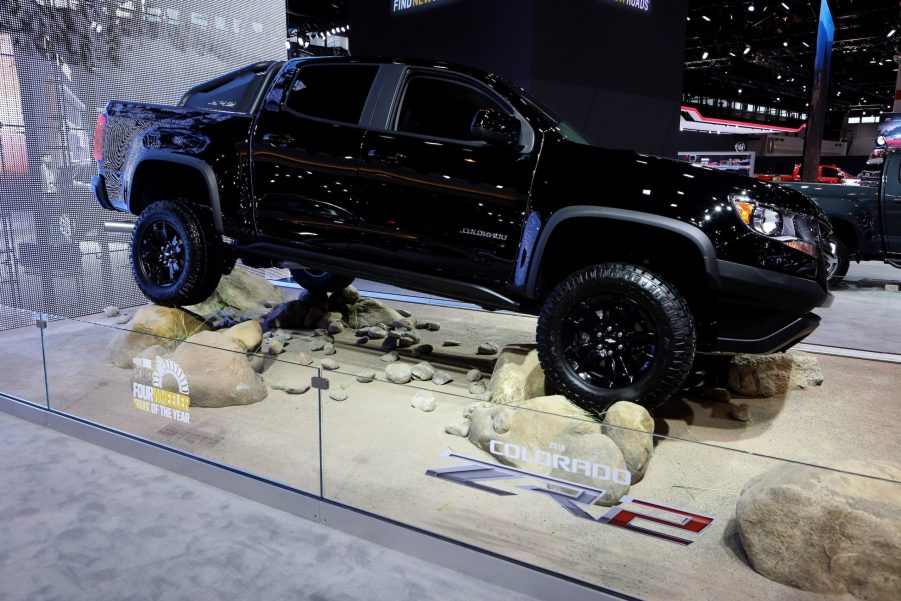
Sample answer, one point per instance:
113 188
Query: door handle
278 139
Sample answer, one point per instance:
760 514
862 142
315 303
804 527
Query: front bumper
761 311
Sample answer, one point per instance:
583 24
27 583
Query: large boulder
532 435
825 531
368 312
517 376
248 335
631 427
153 325
242 291
772 375
218 370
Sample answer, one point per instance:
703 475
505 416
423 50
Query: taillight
98 137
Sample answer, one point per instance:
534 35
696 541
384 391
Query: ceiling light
778 77
786 6
806 45
891 33
705 55
706 18
739 90
785 44
731 54
751 8
747 50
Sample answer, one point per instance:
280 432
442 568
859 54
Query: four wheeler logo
155 399
578 501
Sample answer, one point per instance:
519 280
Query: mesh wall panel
61 61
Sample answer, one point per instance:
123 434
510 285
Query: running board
463 291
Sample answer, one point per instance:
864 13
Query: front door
307 155
433 198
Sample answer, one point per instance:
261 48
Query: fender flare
690 232
202 167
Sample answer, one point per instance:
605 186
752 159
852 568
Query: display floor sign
153 397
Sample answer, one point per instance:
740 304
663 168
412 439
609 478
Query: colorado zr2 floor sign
582 497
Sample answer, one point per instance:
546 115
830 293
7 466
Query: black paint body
470 220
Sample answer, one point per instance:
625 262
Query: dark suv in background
452 181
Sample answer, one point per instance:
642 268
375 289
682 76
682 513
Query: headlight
795 230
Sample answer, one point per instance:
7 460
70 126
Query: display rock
335 327
153 325
248 335
423 371
441 378
487 348
337 301
371 312
338 395
390 357
111 312
218 371
330 364
525 433
631 427
517 376
424 402
452 343
460 429
772 375
477 388
424 350
399 373
473 375
242 291
366 376
825 531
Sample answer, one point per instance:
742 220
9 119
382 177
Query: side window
441 108
332 92
829 172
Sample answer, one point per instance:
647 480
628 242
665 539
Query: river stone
517 376
338 395
477 388
441 378
341 299
452 343
487 348
473 375
423 350
631 427
111 311
459 429
366 376
523 435
423 371
316 345
335 327
390 357
273 346
371 312
772 375
424 402
404 313
153 325
328 349
399 373
825 531
293 386
248 334
361 340
330 364
123 319
218 372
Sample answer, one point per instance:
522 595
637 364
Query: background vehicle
826 174
449 180
866 220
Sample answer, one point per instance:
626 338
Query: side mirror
496 127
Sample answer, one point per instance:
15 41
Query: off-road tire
202 266
320 281
842 263
658 300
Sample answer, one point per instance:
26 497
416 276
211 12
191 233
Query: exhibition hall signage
400 6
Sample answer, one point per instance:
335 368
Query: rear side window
332 92
441 108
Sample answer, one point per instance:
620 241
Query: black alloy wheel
161 254
615 332
837 261
610 341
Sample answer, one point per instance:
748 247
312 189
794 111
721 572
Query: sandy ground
376 448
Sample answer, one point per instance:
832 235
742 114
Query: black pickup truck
453 181
866 219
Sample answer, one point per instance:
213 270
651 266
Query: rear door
891 204
306 153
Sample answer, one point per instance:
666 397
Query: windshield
566 130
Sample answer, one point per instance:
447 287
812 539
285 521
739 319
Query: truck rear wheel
837 262
175 255
616 332
320 281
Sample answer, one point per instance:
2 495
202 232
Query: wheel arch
845 231
155 174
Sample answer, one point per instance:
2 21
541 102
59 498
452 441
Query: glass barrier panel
609 503
212 394
21 356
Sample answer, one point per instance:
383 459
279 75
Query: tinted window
333 92
441 109
829 172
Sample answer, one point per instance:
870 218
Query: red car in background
827 174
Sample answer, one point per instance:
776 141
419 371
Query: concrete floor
81 523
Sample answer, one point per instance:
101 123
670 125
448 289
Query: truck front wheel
175 255
616 332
